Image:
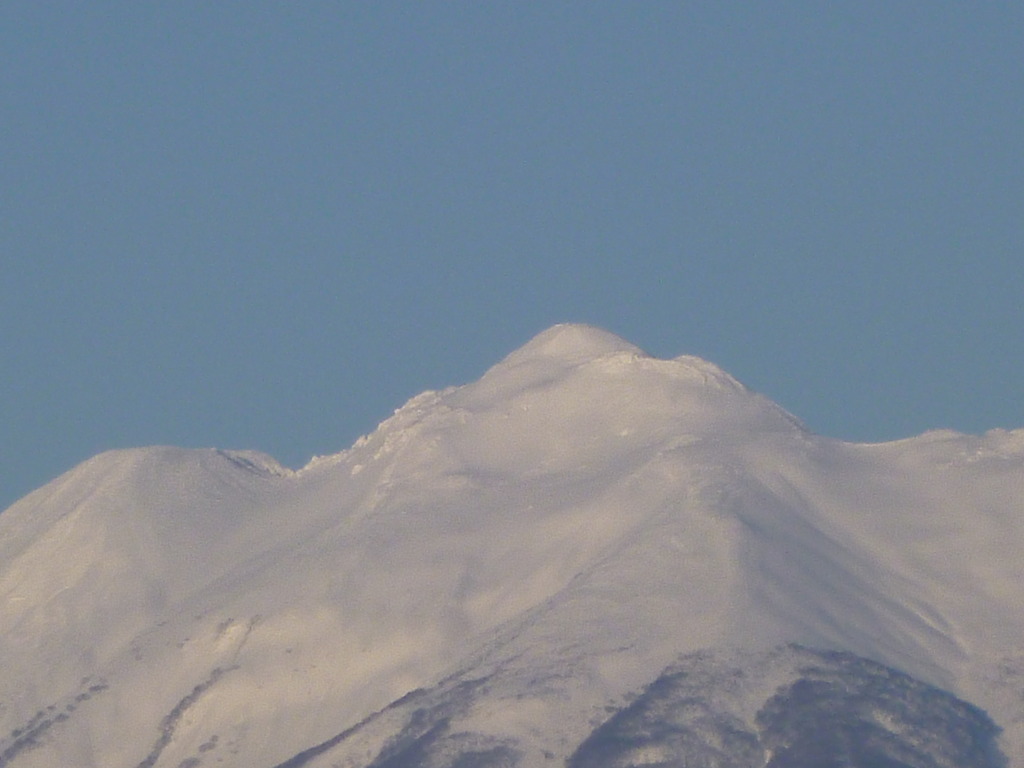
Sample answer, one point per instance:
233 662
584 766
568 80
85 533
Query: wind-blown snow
566 529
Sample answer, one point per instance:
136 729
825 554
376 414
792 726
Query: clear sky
266 225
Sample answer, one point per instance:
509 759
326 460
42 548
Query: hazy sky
266 225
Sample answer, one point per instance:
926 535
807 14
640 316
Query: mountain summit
573 342
588 557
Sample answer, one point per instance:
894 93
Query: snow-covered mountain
589 557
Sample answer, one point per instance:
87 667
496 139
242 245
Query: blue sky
265 225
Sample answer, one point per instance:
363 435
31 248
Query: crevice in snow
170 722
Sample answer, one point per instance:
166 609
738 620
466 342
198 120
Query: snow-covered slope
588 557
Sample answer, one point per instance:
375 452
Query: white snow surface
568 525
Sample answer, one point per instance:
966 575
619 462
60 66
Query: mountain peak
573 343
